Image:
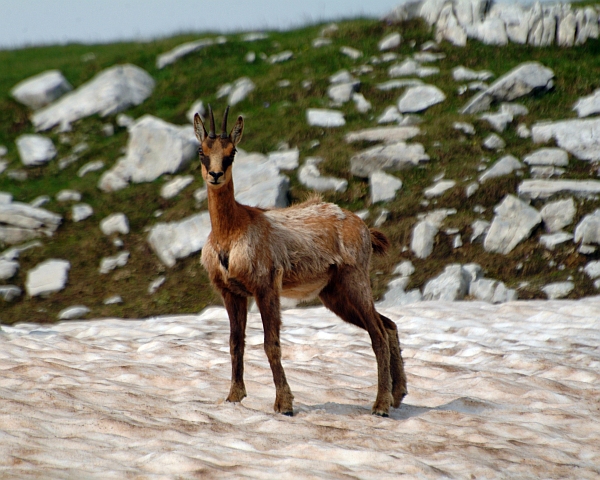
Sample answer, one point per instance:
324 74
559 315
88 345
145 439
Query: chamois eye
227 161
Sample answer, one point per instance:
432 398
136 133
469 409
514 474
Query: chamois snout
215 177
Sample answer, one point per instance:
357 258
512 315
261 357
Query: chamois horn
224 125
211 134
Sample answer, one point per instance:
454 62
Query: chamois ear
238 130
199 129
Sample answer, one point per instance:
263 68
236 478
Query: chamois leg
399 390
348 295
269 306
237 309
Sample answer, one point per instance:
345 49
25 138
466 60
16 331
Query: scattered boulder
155 147
71 313
558 290
452 284
587 231
108 264
111 91
20 222
68 195
10 292
395 84
581 138
464 127
552 240
383 134
491 291
197 107
589 105
513 223
526 78
281 57
174 240
240 89
480 229
505 166
389 42
156 284
35 149
8 268
173 187
321 117
410 68
439 188
592 269
418 99
559 214
544 189
310 176
81 211
42 89
390 157
115 223
182 50
424 232
383 186
47 277
404 268
353 53
548 156
285 159
494 142
396 295
258 182
462 74
90 167
390 115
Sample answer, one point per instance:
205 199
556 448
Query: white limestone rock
341 93
8 268
581 138
548 156
8 293
514 221
592 269
321 117
396 296
68 195
492 31
494 142
491 291
254 36
466 128
410 68
544 189
383 134
281 57
71 313
480 229
498 121
353 53
90 167
390 115
558 290
156 284
108 264
240 89
589 105
522 80
35 149
47 277
471 188
389 157
361 104
552 240
81 211
462 74
505 166
448 27
383 187
439 188
174 240
20 222
42 89
113 300
197 107
423 236
566 30
155 147
341 77
418 99
451 285
285 159
258 182
115 223
310 176
389 42
587 231
180 51
111 91
174 187
404 269
396 84
557 215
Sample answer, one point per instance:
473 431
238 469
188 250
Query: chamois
303 251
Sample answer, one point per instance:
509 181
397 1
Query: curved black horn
211 134
224 125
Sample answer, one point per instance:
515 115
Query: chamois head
217 152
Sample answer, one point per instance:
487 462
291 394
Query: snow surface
495 391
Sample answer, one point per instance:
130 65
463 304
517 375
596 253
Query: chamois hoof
398 397
288 414
236 395
380 414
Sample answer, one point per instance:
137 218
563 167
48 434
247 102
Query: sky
37 22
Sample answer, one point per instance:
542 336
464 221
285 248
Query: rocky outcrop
580 138
42 89
20 222
109 92
390 157
35 149
47 277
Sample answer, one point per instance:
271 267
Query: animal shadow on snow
465 405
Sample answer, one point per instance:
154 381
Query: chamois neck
225 213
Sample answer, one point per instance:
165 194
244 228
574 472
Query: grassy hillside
274 115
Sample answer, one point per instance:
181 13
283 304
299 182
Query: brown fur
307 250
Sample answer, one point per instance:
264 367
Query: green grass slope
274 115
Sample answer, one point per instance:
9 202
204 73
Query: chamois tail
379 242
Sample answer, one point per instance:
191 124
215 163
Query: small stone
281 57
90 167
464 127
390 115
558 290
559 214
494 142
592 269
37 202
471 189
405 269
285 159
382 217
108 129
115 223
505 166
68 196
351 52
47 277
115 299
110 263
81 211
552 240
35 149
320 117
389 41
8 268
250 57
417 99
383 186
548 156
156 284
175 186
523 131
76 311
439 188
